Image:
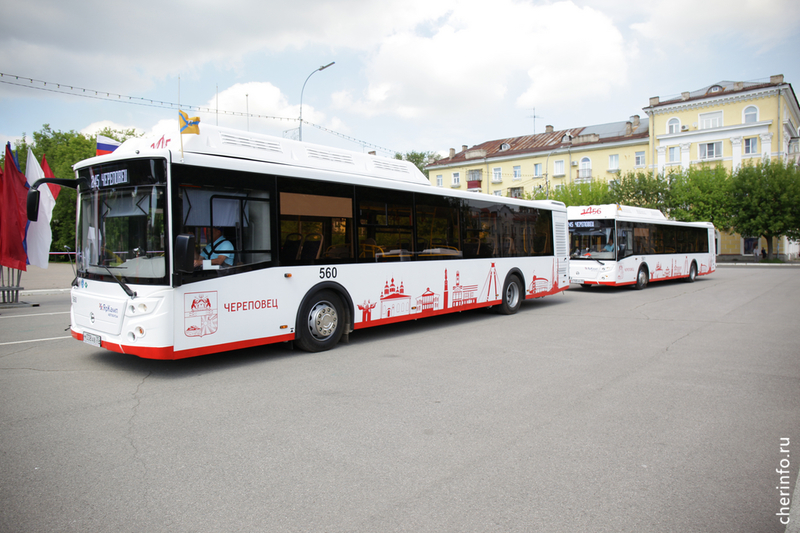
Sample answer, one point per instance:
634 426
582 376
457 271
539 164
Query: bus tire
692 273
642 278
320 323
511 297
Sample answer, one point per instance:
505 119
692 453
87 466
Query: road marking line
35 340
37 314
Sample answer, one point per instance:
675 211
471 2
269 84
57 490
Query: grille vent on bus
246 142
388 165
330 156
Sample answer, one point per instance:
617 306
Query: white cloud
95 127
762 24
478 57
155 39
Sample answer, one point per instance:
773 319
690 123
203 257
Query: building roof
634 128
721 88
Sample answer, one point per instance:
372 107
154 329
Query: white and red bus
318 242
621 245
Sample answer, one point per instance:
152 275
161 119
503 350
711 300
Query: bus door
626 268
562 247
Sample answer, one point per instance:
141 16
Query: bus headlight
142 307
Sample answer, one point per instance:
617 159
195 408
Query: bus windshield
122 223
592 239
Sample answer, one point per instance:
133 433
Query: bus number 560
327 273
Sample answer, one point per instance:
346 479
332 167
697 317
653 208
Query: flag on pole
13 217
187 124
106 145
39 235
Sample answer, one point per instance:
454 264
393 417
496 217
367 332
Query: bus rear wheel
512 296
692 273
642 278
320 323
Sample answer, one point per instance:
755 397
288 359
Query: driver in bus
220 252
609 247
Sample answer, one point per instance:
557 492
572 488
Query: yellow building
524 165
728 123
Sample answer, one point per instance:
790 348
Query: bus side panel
234 311
660 268
261 307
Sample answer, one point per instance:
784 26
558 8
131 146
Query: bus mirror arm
33 194
184 253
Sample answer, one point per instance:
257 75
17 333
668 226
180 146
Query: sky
410 75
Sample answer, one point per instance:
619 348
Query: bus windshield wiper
128 291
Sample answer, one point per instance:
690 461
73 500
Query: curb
41 292
759 265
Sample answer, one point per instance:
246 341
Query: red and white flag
39 235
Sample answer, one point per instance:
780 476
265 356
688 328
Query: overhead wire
72 90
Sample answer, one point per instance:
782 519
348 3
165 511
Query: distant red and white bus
621 245
317 242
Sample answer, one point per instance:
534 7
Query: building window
585 171
456 179
558 168
515 192
750 114
537 170
674 154
674 125
517 173
751 145
711 120
613 162
497 175
711 150
639 159
439 180
498 192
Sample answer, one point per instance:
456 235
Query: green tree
64 149
641 189
700 194
420 159
594 193
764 200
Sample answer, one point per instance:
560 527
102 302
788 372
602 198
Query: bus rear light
284 327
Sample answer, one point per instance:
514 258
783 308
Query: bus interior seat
312 246
291 247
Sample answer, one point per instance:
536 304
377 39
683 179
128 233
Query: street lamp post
301 95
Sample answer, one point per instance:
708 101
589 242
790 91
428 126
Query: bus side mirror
184 253
33 205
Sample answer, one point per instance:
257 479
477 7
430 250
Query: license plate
91 338
573 280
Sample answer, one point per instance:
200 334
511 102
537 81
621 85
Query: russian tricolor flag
106 145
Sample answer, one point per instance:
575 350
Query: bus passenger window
315 229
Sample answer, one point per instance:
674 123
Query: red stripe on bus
169 352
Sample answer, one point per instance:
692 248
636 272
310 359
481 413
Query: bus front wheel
320 323
512 296
642 278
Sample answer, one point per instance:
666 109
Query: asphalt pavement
603 410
